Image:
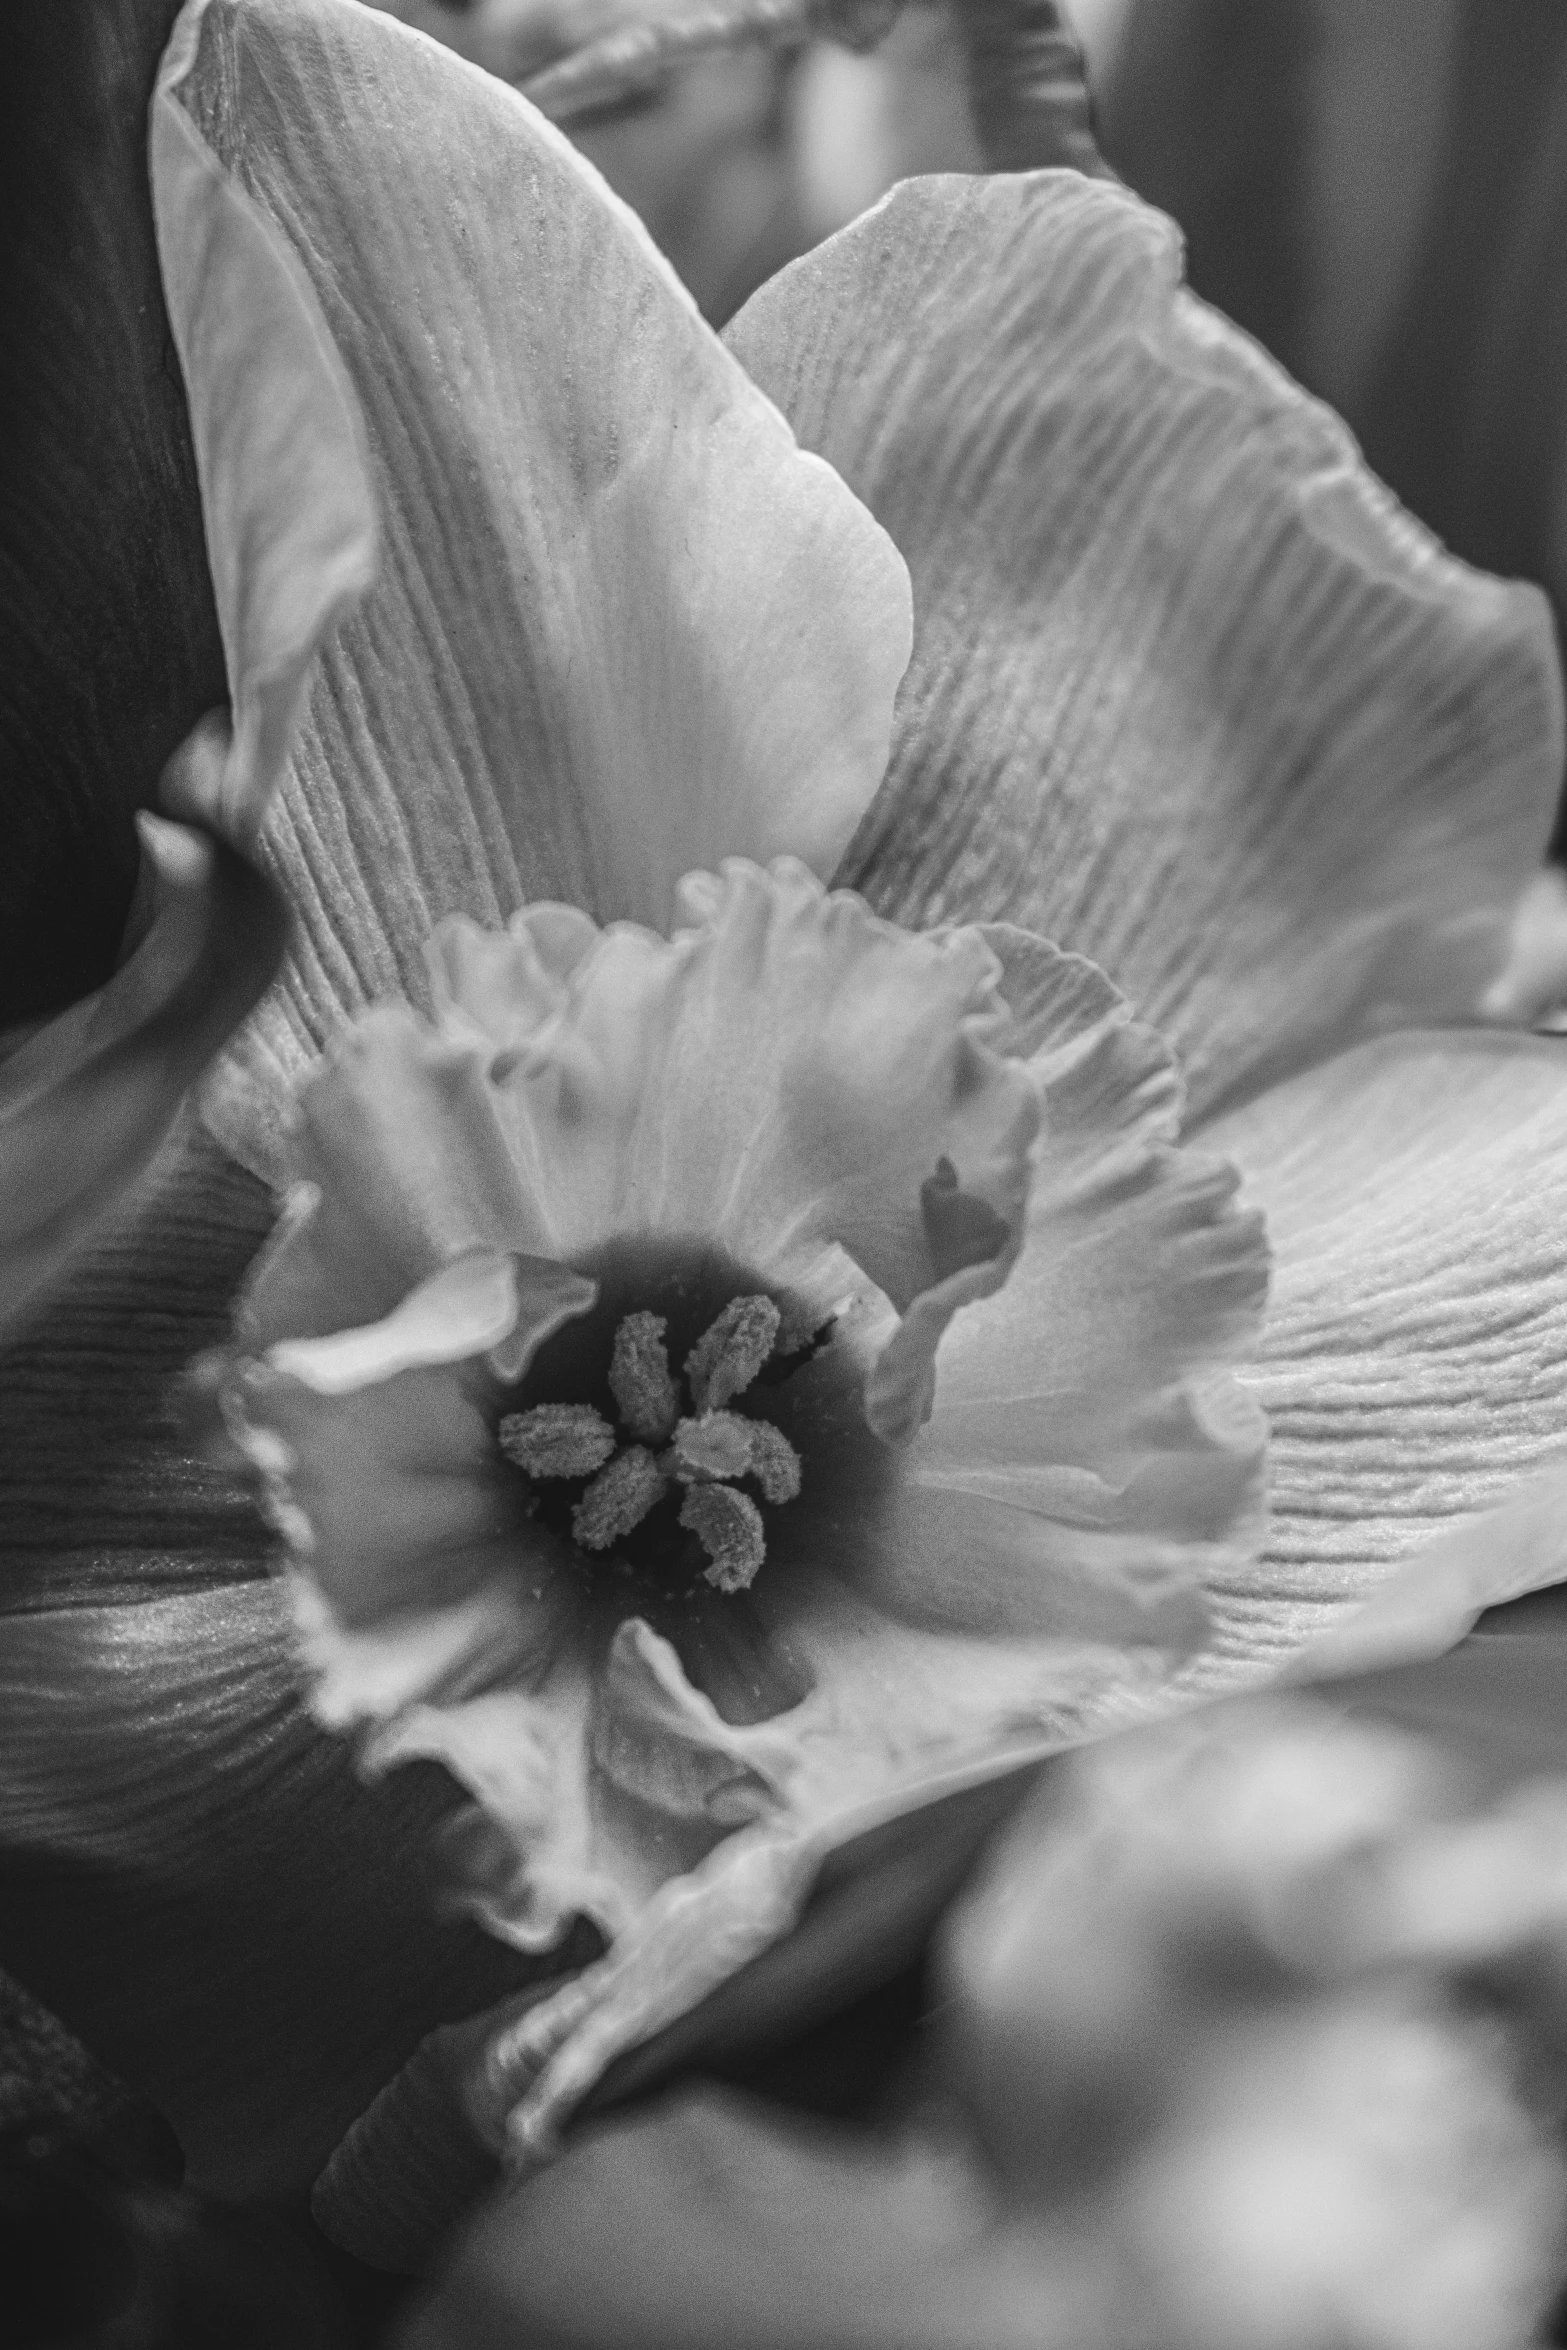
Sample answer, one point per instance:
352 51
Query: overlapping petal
622 625
84 1105
171 1819
757 1102
1414 1362
1377 193
1188 693
1088 1432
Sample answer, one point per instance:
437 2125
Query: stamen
728 1525
720 1444
727 1357
618 1499
640 1378
774 1462
557 1439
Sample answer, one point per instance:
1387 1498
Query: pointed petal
86 1102
576 485
1414 1364
287 503
1189 693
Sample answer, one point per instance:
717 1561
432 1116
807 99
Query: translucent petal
621 624
1189 693
287 502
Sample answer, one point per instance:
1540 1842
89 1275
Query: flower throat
668 1439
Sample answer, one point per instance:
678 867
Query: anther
728 1525
774 1462
618 1499
557 1439
640 1379
718 1445
727 1357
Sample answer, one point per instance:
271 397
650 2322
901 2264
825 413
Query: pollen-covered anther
729 1527
774 1462
728 1355
640 1379
618 1499
718 1445
557 1439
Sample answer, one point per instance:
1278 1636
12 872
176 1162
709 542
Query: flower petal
1427 1605
403 1164
576 486
86 1102
1414 1364
712 2222
780 1080
1087 1426
378 1445
287 504
191 1877
1376 192
1189 693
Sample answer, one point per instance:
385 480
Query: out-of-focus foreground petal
1216 2073
109 644
1189 693
190 1873
622 625
736 2229
1413 1366
1378 189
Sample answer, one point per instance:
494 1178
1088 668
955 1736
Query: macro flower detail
595 1381
668 938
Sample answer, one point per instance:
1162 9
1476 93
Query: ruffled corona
596 1384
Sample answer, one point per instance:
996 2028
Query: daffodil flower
748 1345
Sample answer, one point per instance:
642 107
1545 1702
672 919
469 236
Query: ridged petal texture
1413 1365
755 1105
1376 189
190 1872
1189 693
291 529
622 625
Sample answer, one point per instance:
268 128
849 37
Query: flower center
669 1440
